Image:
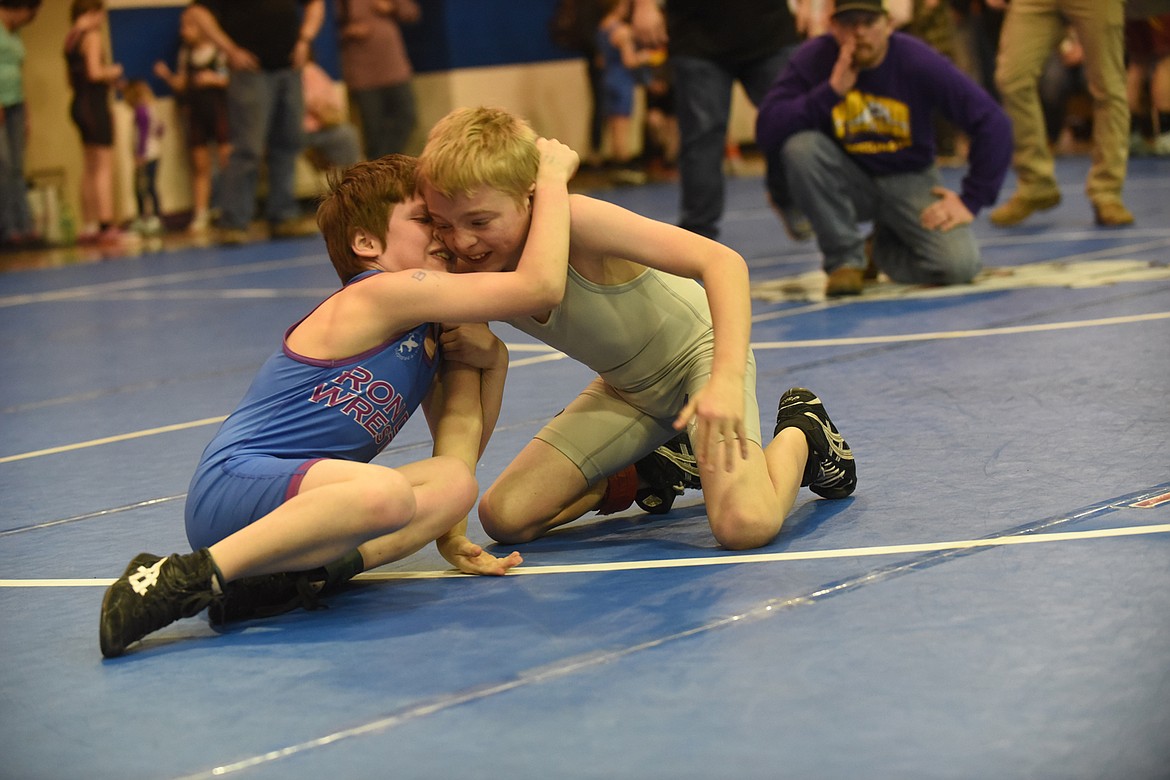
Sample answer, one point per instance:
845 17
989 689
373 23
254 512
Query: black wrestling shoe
268 595
830 470
265 595
667 472
154 592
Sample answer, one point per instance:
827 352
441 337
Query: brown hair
362 197
474 147
81 7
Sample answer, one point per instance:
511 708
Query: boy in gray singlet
671 355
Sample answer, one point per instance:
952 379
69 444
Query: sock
812 466
620 490
217 578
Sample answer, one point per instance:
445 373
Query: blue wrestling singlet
300 410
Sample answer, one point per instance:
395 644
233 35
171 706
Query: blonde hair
361 197
137 92
475 147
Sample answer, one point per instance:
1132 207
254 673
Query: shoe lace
683 460
268 595
167 602
831 474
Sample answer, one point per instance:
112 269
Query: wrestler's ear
364 244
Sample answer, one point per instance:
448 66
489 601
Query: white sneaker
200 223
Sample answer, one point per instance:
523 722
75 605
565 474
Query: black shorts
207 120
90 111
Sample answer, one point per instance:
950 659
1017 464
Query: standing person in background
200 83
621 64
148 133
16 224
933 21
660 134
1032 30
1147 44
91 76
982 21
574 27
713 45
1063 77
377 70
267 42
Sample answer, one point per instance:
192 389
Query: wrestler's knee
800 146
503 519
385 503
744 527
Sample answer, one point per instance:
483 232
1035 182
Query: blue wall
476 33
452 34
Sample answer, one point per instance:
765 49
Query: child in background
621 63
660 137
148 133
1147 49
92 77
200 84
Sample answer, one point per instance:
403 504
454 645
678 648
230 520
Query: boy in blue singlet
671 355
287 484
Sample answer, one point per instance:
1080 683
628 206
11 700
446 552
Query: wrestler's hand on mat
719 436
470 558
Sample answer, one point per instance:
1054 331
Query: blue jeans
388 117
265 112
703 102
15 214
836 195
338 145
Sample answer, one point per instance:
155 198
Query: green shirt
11 64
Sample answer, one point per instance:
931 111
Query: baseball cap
871 6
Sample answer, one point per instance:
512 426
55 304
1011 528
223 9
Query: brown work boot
1112 213
1019 207
293 228
232 237
844 281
